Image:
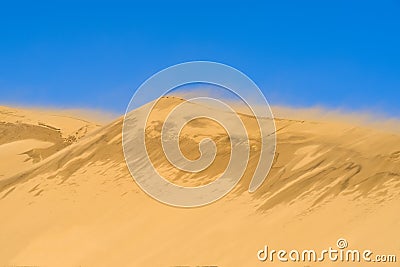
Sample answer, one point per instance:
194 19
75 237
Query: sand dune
75 203
29 136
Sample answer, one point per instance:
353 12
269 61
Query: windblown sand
67 198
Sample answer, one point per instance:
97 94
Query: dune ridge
78 205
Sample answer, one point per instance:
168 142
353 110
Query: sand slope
79 206
28 136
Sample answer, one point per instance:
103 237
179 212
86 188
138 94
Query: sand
74 202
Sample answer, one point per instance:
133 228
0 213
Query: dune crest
78 205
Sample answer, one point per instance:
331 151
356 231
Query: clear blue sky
338 54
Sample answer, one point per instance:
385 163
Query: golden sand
67 198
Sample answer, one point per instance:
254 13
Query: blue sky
68 54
